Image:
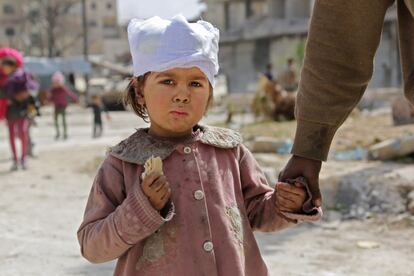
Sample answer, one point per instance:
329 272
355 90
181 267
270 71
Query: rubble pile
376 191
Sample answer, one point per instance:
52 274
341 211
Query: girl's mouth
179 113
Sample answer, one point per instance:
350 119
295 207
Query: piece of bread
153 164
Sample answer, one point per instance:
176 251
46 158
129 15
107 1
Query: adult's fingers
315 191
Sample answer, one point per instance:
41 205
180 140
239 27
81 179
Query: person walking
59 94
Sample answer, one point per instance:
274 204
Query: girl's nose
182 95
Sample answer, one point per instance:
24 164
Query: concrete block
392 148
267 144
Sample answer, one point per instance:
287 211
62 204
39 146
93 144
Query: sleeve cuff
313 140
139 219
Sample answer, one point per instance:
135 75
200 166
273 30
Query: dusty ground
358 130
40 211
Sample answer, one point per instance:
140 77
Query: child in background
17 91
197 214
7 52
58 96
98 106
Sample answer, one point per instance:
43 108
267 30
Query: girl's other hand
290 198
157 189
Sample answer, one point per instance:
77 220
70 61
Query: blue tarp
41 66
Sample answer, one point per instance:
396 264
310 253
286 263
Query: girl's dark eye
196 84
168 82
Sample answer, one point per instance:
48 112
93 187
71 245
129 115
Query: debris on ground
392 148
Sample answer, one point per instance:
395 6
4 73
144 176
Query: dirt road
40 210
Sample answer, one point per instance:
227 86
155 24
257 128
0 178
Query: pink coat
59 95
219 194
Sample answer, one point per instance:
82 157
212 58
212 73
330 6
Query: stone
267 144
392 148
410 207
402 112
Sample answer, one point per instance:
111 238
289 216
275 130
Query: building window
249 9
35 39
34 15
10 31
109 6
8 9
92 24
93 5
226 16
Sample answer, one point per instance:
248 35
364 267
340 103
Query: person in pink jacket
59 94
197 215
7 53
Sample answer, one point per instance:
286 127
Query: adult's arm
342 41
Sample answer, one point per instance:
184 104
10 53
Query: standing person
33 112
269 72
16 90
59 94
288 78
3 100
342 41
7 52
98 106
196 215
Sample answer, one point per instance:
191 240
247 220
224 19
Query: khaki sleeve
342 41
406 39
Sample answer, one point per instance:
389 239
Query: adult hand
309 168
157 189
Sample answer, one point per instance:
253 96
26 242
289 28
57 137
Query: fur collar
140 146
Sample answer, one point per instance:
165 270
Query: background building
54 27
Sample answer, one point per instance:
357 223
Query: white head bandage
158 45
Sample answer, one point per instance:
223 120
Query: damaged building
254 33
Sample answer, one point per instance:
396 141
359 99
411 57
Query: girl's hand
157 189
290 198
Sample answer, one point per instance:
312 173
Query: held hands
300 166
157 189
290 198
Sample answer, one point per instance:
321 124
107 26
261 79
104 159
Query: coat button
199 195
208 246
187 150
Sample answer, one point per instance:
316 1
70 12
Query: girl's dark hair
9 61
134 92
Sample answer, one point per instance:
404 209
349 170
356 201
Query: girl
7 52
58 96
17 88
196 216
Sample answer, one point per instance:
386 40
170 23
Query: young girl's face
7 69
176 100
56 84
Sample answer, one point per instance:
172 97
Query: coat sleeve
71 94
342 41
115 220
259 197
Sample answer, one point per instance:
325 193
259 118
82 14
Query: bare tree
50 21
